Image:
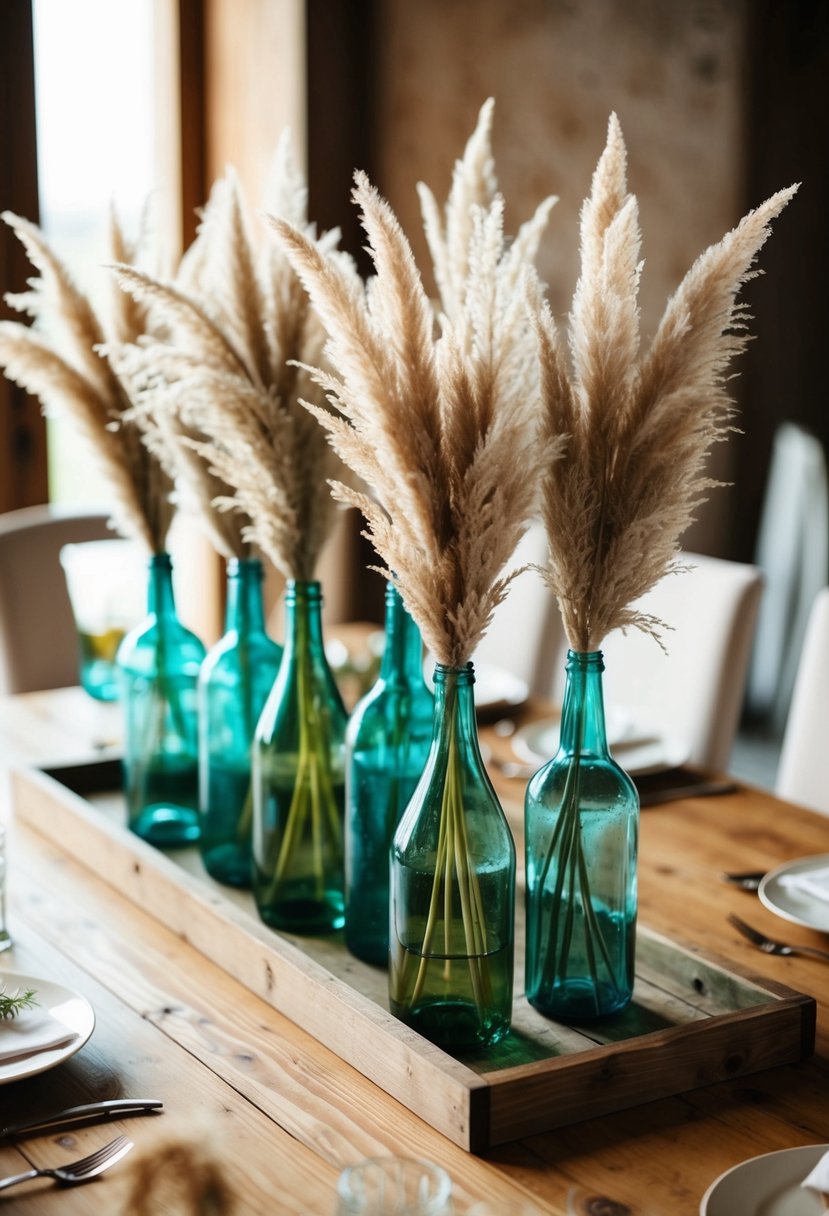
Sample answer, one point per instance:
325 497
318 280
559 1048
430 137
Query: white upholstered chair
803 774
793 553
38 640
692 695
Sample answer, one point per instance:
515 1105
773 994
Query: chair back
803 773
694 693
38 640
793 553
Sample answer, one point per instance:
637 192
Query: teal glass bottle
298 781
234 683
581 834
387 743
452 882
158 663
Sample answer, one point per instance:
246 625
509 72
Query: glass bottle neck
403 652
303 618
160 599
582 715
455 705
244 611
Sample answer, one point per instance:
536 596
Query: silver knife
76 1116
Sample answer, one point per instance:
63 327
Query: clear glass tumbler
105 580
394 1186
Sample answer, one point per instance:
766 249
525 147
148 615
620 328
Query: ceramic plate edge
774 875
806 1149
674 752
47 1059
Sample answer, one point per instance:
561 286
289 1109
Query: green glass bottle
453 888
298 781
581 832
158 663
234 683
387 743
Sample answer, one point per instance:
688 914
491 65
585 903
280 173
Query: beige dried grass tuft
639 427
221 390
440 427
59 360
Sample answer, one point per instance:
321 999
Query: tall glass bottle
159 662
387 743
298 781
234 683
453 888
582 821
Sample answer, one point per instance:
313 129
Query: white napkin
818 1180
814 884
30 1032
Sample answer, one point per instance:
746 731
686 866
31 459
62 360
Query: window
95 83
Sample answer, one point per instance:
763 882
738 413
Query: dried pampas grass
638 426
223 387
441 428
59 360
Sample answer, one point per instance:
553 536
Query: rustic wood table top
288 1114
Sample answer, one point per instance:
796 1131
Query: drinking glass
105 580
393 1186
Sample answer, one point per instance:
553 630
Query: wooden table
288 1115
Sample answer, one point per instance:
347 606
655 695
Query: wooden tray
693 1020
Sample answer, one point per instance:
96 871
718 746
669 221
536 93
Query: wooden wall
23 480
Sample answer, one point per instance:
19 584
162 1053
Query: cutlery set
750 881
89 1167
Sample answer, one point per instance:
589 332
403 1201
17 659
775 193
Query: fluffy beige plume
223 387
59 360
474 187
440 428
639 426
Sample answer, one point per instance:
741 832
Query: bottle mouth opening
585 658
463 675
252 566
299 589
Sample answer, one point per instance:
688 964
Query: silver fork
77 1171
769 946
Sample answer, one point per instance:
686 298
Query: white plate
69 1007
635 748
496 688
767 1186
791 904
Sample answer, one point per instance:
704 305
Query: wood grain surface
290 1114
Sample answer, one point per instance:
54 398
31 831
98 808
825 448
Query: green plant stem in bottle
298 781
234 683
387 743
581 819
453 888
159 663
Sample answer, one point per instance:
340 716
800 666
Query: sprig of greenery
13 1003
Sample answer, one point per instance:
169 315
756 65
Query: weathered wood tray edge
474 1111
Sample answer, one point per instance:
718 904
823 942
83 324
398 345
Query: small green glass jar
234 683
581 833
453 888
298 781
387 743
158 664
